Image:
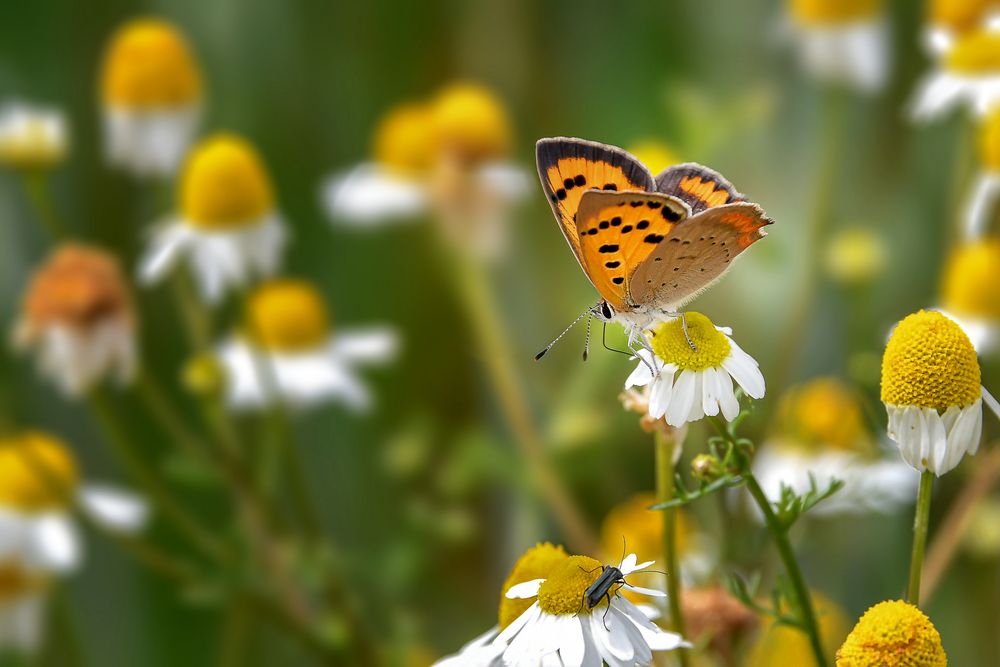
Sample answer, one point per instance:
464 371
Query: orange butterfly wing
570 167
699 187
617 231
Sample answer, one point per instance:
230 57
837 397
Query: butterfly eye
606 311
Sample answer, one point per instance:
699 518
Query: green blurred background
426 499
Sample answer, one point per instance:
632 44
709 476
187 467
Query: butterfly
648 245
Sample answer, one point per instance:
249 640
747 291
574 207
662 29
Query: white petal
113 508
682 399
646 591
745 371
54 543
526 589
627 565
372 345
371 194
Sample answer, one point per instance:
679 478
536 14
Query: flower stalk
920 524
665 449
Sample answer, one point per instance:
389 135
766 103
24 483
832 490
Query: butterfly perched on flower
649 245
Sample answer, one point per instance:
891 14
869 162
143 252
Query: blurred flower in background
78 317
23 596
932 392
289 340
31 138
228 227
780 644
949 20
893 633
842 41
151 93
818 435
707 361
968 74
655 154
981 207
970 291
717 619
855 256
447 156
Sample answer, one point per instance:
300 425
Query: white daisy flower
292 351
79 319
949 20
152 98
843 42
687 383
969 74
31 137
970 291
228 229
445 157
39 484
932 392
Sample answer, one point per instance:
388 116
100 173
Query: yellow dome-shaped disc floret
536 563
670 344
225 184
654 154
930 363
288 316
961 15
834 11
823 413
37 472
562 592
975 54
972 280
470 123
893 634
404 138
148 65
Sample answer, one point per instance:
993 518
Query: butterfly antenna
586 344
565 331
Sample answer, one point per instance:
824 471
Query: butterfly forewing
699 187
617 231
696 253
570 167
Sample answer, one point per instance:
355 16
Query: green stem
71 648
196 319
36 186
780 536
920 524
236 634
665 448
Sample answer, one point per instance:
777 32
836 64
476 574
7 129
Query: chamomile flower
842 41
290 353
151 93
893 634
820 435
689 380
78 318
948 20
446 156
982 201
31 137
39 485
228 228
781 644
932 392
970 291
968 74
23 597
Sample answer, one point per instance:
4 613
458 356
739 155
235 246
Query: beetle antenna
565 331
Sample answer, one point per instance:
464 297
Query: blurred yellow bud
225 184
975 53
823 413
470 123
982 536
654 154
148 65
834 11
971 280
855 255
404 138
204 376
37 472
784 645
960 15
288 315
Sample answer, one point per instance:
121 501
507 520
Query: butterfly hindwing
696 253
570 167
617 231
700 187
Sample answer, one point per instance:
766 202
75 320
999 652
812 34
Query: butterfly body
648 245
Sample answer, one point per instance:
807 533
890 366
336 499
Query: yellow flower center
15 582
37 472
148 65
562 592
654 154
225 184
288 316
930 363
470 123
855 255
959 15
536 563
834 11
823 413
404 139
893 634
711 346
972 280
976 53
